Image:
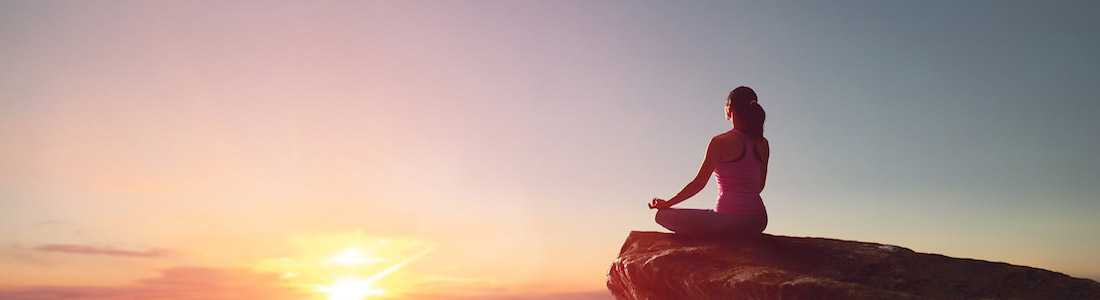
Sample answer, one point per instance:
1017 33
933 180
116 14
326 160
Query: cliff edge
654 265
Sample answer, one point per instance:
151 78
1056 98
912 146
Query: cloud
178 283
94 250
21 257
55 224
202 283
50 222
592 295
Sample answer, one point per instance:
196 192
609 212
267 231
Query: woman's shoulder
728 135
726 139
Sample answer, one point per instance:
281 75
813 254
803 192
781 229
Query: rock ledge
654 265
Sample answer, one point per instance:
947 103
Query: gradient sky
142 141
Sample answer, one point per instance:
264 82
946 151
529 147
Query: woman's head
743 109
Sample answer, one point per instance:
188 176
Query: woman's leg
685 221
709 222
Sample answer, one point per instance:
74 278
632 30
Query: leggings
705 222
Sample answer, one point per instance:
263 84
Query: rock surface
654 265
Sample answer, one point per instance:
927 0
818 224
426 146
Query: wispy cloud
179 283
591 295
96 250
50 222
55 225
15 254
200 283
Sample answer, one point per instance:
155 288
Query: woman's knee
660 216
663 216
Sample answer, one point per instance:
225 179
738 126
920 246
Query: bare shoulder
724 145
726 139
728 135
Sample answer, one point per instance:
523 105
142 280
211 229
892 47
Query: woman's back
740 179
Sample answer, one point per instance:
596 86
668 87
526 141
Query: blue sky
963 128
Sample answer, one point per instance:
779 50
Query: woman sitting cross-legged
739 161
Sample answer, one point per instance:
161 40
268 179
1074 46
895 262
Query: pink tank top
739 182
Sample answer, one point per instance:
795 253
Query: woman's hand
658 203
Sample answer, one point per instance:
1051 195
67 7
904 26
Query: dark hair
742 101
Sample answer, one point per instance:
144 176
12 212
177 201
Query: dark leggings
705 222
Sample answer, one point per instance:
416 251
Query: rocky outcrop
654 265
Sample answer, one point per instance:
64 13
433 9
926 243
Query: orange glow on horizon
346 266
350 289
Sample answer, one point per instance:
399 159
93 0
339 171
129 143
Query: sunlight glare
348 266
350 289
352 256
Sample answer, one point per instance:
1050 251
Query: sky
505 149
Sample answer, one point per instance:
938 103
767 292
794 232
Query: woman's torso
738 174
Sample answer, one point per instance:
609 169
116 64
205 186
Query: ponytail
744 104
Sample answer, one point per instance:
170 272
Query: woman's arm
714 151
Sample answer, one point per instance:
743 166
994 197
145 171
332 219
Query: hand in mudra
658 203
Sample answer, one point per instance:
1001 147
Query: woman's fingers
658 203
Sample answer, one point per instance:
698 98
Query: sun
350 289
348 266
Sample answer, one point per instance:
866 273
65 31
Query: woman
739 161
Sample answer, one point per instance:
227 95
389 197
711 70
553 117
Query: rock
654 265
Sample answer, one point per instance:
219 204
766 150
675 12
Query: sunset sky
505 149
